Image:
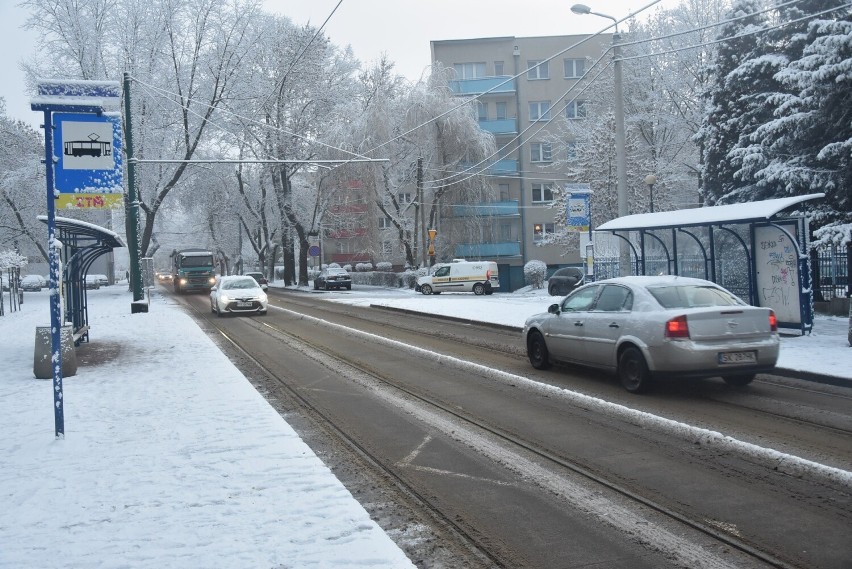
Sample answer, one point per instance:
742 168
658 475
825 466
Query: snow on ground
166 463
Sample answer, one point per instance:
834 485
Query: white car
237 294
644 326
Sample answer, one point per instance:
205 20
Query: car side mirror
553 309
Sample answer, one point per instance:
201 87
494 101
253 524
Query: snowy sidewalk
165 463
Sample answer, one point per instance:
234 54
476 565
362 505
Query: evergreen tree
735 103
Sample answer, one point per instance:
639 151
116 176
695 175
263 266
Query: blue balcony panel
491 209
498 168
488 250
482 84
499 126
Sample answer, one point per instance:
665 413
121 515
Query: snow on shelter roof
84 229
733 213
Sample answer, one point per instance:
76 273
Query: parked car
92 282
478 277
643 327
33 283
237 294
102 280
565 280
261 280
333 277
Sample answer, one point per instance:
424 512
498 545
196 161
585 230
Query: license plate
241 304
737 358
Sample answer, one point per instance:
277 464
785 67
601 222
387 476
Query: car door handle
614 325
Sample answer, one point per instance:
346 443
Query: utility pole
419 214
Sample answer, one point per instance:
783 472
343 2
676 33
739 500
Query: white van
480 277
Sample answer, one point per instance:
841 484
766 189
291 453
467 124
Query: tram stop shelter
749 248
81 243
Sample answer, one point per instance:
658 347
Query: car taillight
773 321
677 328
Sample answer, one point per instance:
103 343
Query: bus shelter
82 243
750 248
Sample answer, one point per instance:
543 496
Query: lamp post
620 155
651 179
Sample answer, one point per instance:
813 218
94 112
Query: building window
542 193
469 70
385 223
498 68
504 192
538 69
506 232
571 153
404 198
539 111
575 110
500 110
575 68
540 152
482 110
542 230
387 248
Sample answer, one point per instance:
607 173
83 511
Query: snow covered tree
743 74
22 187
807 147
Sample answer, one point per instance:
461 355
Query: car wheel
478 289
219 312
633 371
212 308
552 290
739 380
262 312
537 351
426 289
325 286
349 287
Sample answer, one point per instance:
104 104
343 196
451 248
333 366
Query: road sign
314 250
88 170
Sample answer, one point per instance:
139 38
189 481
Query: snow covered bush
385 266
534 273
363 267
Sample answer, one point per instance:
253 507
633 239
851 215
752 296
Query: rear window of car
337 271
693 296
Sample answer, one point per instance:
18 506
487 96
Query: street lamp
651 179
620 156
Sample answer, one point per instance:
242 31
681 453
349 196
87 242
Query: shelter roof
714 215
83 230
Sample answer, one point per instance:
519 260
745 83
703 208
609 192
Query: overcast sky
400 28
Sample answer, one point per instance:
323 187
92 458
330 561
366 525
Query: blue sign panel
579 214
87 154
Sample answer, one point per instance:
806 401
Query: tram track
507 437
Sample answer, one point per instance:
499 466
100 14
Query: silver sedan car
640 327
237 294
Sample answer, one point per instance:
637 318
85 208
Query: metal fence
830 268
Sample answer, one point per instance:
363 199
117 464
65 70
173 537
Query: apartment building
521 86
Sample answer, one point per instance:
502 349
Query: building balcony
504 167
488 250
480 85
346 233
499 126
508 208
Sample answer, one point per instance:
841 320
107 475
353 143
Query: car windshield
239 283
692 296
336 272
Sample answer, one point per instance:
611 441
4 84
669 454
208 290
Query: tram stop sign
88 171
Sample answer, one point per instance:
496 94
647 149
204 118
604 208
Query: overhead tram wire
160 93
742 35
470 175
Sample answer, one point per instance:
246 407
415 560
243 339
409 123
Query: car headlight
212 280
262 297
183 281
224 298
